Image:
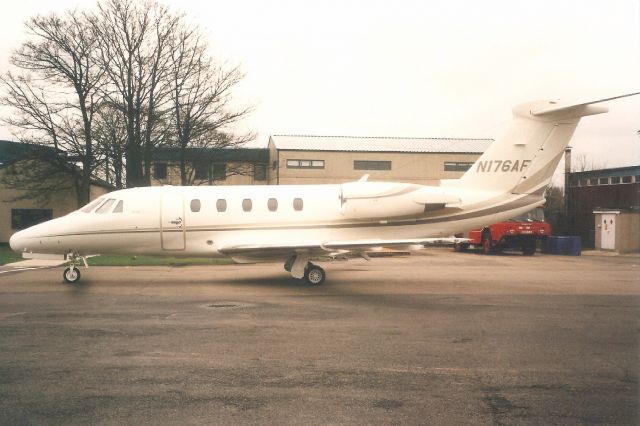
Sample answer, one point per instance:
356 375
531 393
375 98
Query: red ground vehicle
519 233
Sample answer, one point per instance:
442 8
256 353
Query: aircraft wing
259 252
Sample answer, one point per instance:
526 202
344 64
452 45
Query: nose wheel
71 275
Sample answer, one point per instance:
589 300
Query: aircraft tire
314 275
71 276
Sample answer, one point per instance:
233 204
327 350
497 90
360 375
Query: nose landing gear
71 274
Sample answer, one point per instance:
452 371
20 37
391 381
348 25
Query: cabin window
457 166
603 181
626 179
221 205
106 206
195 205
297 204
160 170
119 207
371 165
92 205
272 204
615 179
246 205
24 218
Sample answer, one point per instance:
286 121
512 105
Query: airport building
19 209
604 207
337 159
211 166
286 160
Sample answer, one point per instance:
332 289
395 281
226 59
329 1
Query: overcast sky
413 67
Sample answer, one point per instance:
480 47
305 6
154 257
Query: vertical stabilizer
524 159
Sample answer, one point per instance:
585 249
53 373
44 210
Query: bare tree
201 97
54 99
583 164
111 136
104 88
135 52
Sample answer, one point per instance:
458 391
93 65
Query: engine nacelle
362 200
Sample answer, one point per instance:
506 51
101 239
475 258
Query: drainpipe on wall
567 189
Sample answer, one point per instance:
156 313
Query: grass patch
8 256
123 260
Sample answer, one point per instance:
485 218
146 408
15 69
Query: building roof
611 172
10 151
379 144
212 154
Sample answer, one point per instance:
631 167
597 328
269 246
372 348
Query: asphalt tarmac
439 338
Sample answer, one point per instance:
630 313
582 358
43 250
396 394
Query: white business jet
292 223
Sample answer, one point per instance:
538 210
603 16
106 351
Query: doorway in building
608 241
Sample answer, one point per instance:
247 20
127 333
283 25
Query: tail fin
524 159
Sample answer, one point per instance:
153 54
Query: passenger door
172 222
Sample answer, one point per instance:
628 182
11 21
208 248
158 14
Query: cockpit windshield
104 208
535 215
89 207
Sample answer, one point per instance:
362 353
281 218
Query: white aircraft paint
294 222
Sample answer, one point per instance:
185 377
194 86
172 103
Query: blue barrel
562 245
574 246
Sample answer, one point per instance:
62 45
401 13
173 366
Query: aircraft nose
17 242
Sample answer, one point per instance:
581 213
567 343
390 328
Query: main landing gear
300 267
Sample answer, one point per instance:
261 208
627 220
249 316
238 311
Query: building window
305 164
246 205
637 178
615 179
457 166
24 218
584 182
297 204
195 205
221 205
160 170
626 179
260 171
603 181
593 181
201 170
272 204
219 171
371 165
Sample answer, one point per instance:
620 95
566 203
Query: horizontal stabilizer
584 108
